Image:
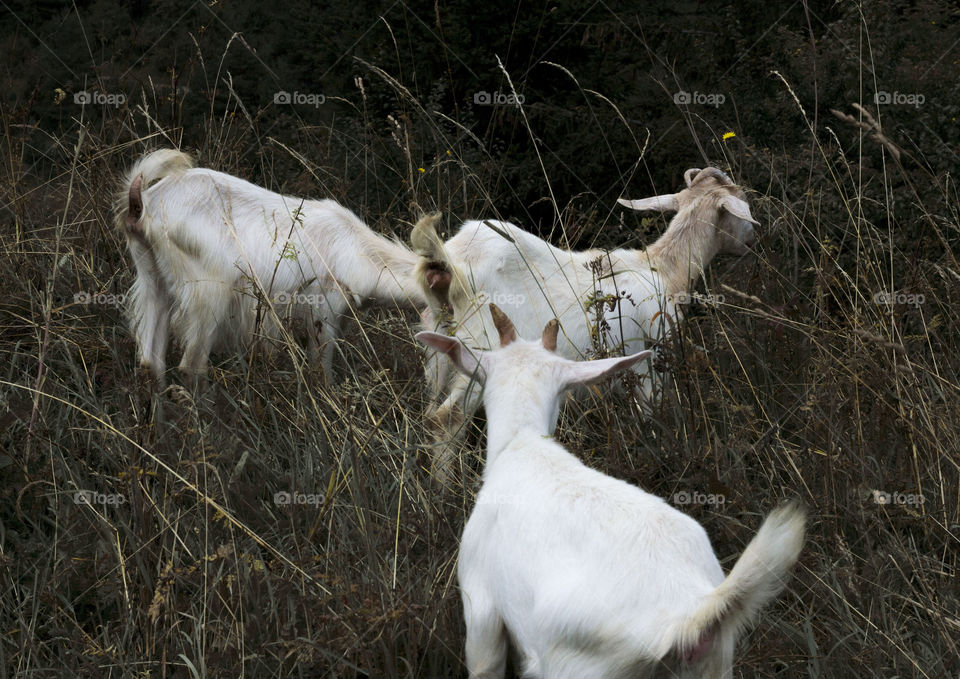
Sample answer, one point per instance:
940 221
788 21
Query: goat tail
758 576
161 163
443 284
149 169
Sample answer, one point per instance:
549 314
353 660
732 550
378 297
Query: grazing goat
208 247
631 294
589 576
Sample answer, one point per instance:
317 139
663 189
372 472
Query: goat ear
465 361
665 203
586 372
738 208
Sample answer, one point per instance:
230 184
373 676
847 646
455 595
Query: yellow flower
729 135
421 169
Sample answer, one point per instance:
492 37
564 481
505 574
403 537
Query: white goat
633 291
209 246
589 576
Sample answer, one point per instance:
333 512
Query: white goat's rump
219 259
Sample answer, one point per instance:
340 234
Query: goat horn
503 325
689 175
721 176
549 339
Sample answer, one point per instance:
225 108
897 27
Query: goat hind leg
486 643
150 309
449 422
204 309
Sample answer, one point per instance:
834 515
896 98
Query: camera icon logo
81 298
682 97
482 98
282 498
82 97
282 97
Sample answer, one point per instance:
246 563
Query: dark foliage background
795 383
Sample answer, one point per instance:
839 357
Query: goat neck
684 251
522 398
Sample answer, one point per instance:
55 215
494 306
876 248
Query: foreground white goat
209 247
633 292
589 576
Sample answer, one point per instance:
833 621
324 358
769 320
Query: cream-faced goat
634 292
589 576
210 248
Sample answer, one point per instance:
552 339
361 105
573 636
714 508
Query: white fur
533 281
587 575
210 247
